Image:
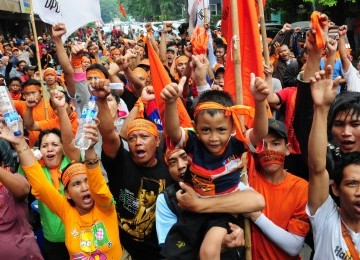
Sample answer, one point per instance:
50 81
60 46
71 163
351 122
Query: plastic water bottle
8 111
88 114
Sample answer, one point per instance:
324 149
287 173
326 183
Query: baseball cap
277 127
171 48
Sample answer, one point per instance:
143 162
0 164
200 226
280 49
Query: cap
5 43
278 127
219 69
40 38
29 67
145 62
171 48
14 49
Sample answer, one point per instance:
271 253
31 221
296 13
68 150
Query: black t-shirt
135 189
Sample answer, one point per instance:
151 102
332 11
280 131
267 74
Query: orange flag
122 10
250 47
159 79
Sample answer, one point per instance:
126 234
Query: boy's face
214 131
349 193
346 131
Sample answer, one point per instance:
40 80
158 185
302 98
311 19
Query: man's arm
15 183
345 62
29 122
260 91
250 201
111 140
323 91
172 123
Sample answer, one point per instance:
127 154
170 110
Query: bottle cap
17 133
93 98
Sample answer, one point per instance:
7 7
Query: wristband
23 149
92 161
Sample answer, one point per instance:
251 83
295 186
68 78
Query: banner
250 47
74 14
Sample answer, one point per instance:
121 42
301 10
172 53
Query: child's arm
260 91
172 124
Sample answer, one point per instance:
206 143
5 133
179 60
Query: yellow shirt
93 234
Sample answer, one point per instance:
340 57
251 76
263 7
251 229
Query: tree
109 10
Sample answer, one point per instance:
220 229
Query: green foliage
109 10
151 10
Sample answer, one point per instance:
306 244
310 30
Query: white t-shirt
328 239
352 77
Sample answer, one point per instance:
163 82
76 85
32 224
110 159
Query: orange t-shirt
38 115
284 206
55 123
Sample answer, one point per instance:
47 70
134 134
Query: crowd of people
172 174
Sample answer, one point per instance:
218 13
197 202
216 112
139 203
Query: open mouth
87 199
357 207
347 145
141 153
50 156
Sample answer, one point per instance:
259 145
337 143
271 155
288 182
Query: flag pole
239 101
263 32
32 19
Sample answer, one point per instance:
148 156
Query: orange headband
115 51
31 88
169 152
49 71
72 170
95 73
181 59
83 58
141 72
142 124
233 111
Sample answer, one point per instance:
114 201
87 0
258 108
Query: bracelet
23 149
92 161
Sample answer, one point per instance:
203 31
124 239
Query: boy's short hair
346 160
345 101
218 96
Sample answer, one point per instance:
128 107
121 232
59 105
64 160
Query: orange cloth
55 177
91 235
15 96
181 59
31 88
250 48
49 71
55 123
316 24
159 79
38 115
199 40
122 10
284 206
142 124
233 111
95 73
72 170
140 71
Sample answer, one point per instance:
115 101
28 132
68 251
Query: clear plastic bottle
8 111
88 114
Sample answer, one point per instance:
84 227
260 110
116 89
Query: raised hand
57 98
323 87
172 91
58 30
99 88
147 93
259 88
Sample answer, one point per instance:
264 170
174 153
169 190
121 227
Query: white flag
73 13
198 10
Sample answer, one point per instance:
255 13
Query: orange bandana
233 111
31 88
72 170
169 152
142 124
49 71
181 59
141 72
115 51
84 58
95 73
